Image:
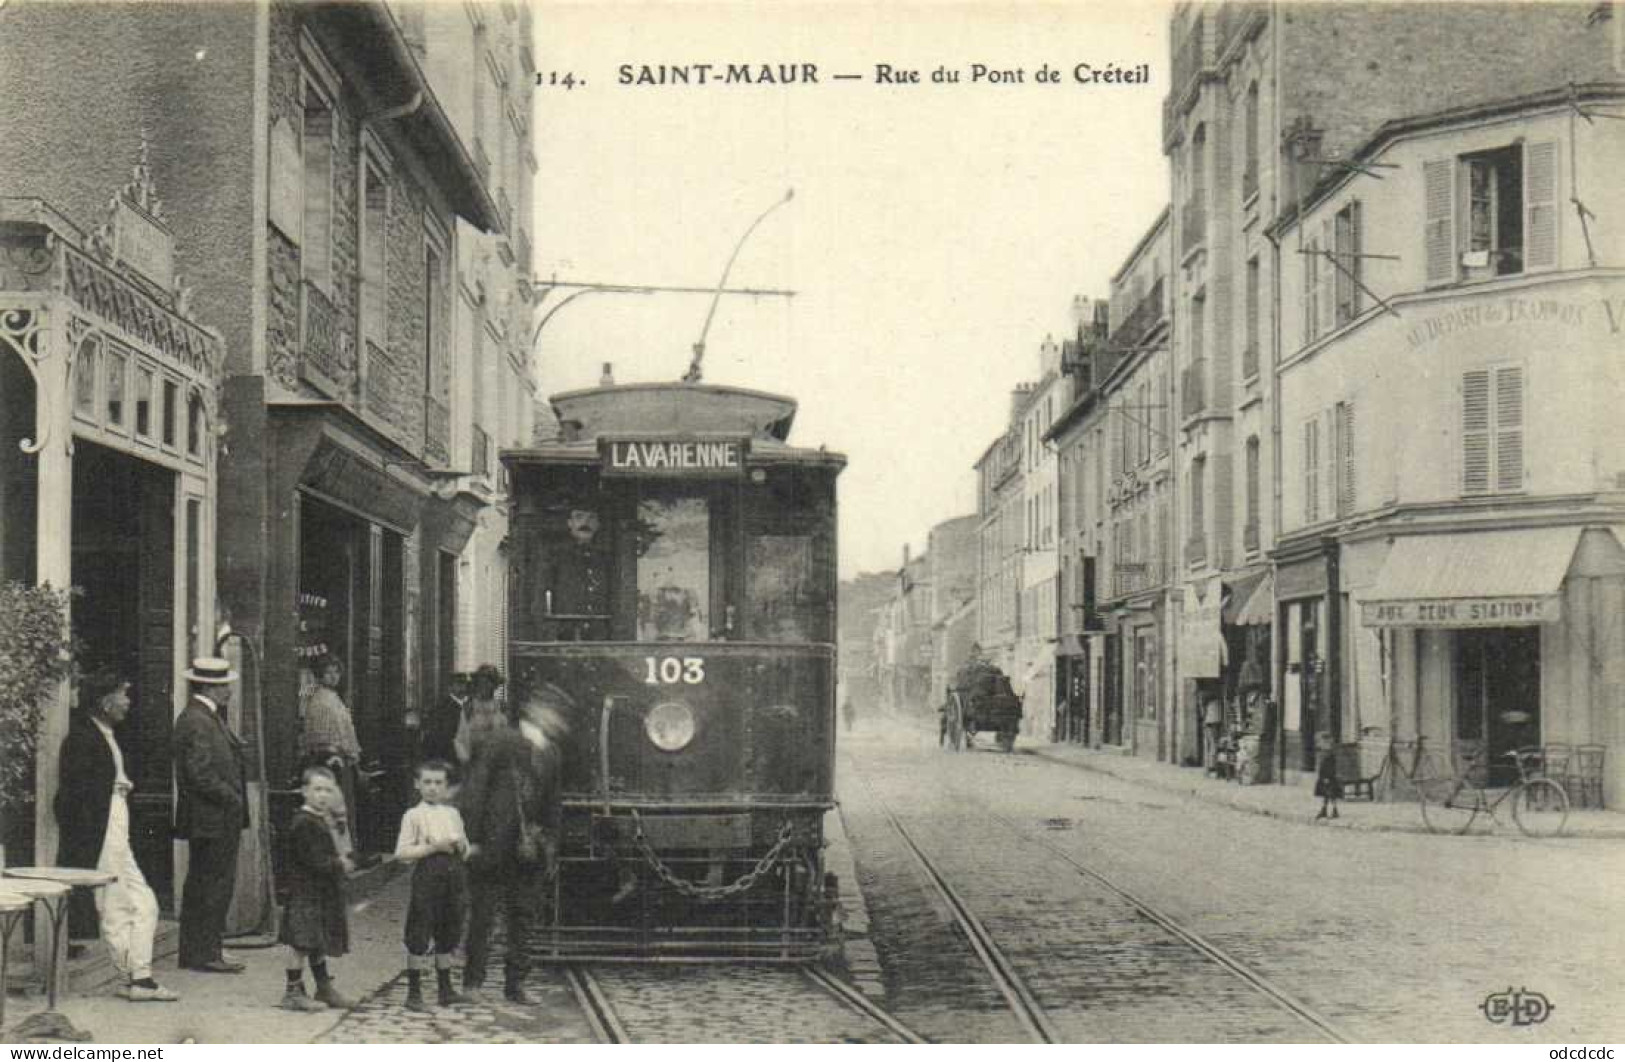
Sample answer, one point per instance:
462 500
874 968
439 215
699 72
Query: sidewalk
239 1008
1292 801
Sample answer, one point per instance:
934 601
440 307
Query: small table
12 908
52 886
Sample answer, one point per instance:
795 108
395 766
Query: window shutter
1354 262
1439 179
1540 205
1345 458
1327 272
1509 428
1475 432
1311 470
1327 446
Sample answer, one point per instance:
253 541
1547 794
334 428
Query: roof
1395 129
380 52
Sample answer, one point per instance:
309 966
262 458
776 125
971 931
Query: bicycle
1540 806
1424 764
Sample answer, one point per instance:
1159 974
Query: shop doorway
1112 692
19 472
123 559
350 607
1498 692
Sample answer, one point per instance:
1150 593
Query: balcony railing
1192 389
1133 577
1192 226
436 431
1138 324
480 457
321 364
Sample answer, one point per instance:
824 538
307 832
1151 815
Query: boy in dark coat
314 921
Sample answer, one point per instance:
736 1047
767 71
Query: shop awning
1474 579
1249 600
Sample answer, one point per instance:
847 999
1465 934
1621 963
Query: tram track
1029 1013
1027 1009
1196 941
753 1002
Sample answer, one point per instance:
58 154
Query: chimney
1303 143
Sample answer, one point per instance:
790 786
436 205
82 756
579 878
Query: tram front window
673 547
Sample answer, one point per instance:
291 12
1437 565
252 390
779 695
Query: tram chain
744 883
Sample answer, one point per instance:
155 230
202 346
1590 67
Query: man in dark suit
440 734
211 813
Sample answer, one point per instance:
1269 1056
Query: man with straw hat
211 813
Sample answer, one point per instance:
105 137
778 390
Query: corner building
1267 101
1454 457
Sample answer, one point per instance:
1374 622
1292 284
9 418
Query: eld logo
1522 1007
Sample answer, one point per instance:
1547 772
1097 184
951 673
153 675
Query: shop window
1492 430
84 378
169 412
144 384
1491 213
116 368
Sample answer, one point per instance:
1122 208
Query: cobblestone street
1386 936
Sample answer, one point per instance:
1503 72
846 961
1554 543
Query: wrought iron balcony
322 363
1145 316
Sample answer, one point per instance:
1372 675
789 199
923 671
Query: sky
938 232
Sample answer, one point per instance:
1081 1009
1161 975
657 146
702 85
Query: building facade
1450 564
1038 602
318 191
1001 533
952 553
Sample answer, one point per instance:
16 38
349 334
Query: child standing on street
432 836
1328 787
314 922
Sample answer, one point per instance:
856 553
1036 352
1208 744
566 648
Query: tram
673 570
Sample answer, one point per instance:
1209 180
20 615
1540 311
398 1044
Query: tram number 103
672 670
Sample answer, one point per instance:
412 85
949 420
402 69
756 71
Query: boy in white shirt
432 836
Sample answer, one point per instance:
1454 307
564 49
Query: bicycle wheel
1448 806
1540 807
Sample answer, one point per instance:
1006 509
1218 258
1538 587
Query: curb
1207 797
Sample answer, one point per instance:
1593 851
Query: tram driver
575 582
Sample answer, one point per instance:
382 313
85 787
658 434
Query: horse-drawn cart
981 701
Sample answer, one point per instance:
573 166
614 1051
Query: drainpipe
1278 635
390 114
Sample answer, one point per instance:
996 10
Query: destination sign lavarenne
674 456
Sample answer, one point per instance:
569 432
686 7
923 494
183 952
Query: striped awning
1474 579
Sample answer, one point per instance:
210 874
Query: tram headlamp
670 726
